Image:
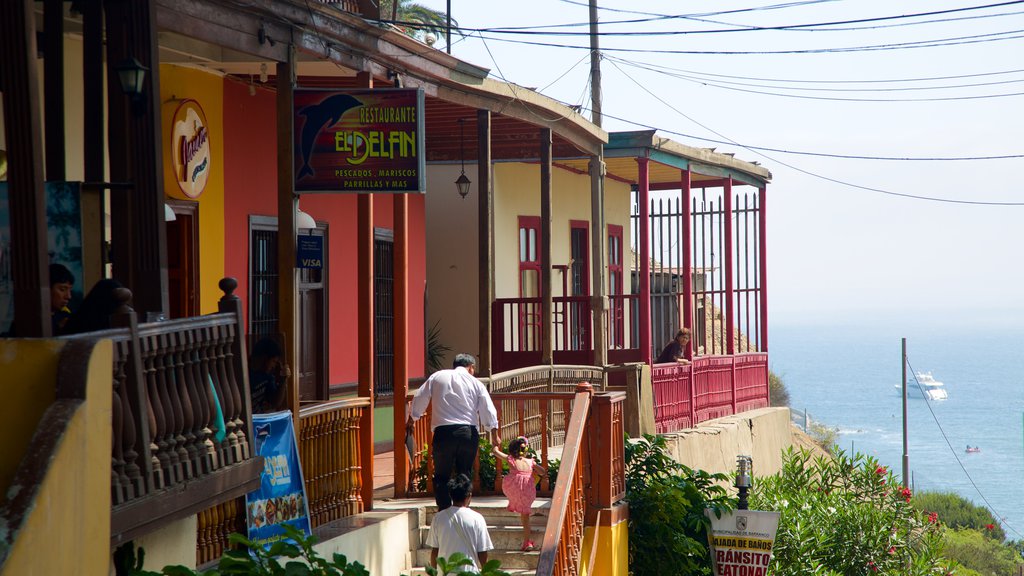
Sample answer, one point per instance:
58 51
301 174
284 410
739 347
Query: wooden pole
599 256
401 337
287 284
547 356
365 321
94 144
644 200
26 196
485 242
53 78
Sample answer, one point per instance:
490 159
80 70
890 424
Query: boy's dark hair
460 488
59 274
266 348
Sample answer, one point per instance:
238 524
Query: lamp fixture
463 182
132 74
303 221
169 215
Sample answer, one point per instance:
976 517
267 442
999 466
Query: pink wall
251 188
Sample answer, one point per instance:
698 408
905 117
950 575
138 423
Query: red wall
251 188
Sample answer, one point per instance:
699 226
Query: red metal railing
518 335
710 387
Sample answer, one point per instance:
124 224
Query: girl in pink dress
519 485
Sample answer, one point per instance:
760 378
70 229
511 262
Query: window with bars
263 313
384 313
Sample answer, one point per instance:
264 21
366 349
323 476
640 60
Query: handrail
331 405
563 535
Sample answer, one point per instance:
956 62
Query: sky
836 253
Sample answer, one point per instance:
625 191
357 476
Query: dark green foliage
667 525
299 559
435 349
846 515
978 551
453 566
420 18
955 511
777 393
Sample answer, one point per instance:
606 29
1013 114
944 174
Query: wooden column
485 242
94 144
547 354
139 212
687 235
727 262
762 232
598 258
401 336
53 79
364 322
26 200
287 281
644 202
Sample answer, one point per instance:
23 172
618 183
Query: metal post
644 200
545 247
687 242
906 456
727 263
762 231
744 480
448 27
485 244
599 259
595 68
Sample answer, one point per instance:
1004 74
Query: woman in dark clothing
94 314
676 349
267 376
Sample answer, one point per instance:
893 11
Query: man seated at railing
675 350
460 404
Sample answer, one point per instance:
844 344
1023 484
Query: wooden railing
591 477
329 437
557 378
166 377
708 388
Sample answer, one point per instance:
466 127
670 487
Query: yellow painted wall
612 550
452 238
178 83
68 528
30 370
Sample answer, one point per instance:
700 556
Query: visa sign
310 251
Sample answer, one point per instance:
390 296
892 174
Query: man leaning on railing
460 403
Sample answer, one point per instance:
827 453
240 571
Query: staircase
505 530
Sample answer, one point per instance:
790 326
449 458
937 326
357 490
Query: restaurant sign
359 140
741 542
190 148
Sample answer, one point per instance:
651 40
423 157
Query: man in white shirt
460 403
459 529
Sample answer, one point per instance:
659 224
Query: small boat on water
972 449
926 386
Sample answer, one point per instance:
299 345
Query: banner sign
359 140
741 542
281 497
310 251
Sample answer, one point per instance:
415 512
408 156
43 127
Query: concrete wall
174 544
381 543
713 446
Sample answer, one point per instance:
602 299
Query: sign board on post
359 140
741 542
281 497
310 251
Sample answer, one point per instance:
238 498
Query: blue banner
281 497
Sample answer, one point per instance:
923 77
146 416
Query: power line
542 30
991 508
734 11
935 43
723 85
812 174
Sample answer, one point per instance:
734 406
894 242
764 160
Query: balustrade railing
329 437
710 387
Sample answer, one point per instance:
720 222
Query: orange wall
250 176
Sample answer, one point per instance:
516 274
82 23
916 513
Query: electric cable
813 174
991 508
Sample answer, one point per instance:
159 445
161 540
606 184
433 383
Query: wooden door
183 260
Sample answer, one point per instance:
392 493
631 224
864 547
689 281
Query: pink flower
892 550
933 517
872 566
990 527
881 470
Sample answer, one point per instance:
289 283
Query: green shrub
454 565
824 436
846 515
978 551
777 393
955 511
667 526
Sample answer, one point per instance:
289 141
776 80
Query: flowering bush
846 515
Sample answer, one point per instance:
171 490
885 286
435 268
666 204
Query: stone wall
713 445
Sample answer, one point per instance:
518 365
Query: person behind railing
459 529
102 301
519 485
61 283
268 376
460 403
676 349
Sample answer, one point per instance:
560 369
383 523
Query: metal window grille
263 313
384 313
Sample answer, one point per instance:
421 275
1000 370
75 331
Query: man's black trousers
455 447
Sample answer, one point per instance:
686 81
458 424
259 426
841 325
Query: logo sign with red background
190 148
359 140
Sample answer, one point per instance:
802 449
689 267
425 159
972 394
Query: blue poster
281 497
63 243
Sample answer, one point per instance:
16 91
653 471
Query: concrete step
495 509
505 536
509 559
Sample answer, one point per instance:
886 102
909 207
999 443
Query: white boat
929 388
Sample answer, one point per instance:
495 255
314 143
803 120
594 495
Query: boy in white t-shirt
459 529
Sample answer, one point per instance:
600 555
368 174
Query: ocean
846 377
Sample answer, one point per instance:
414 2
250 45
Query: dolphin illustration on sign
319 116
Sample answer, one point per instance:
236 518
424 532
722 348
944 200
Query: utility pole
906 455
595 68
448 28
